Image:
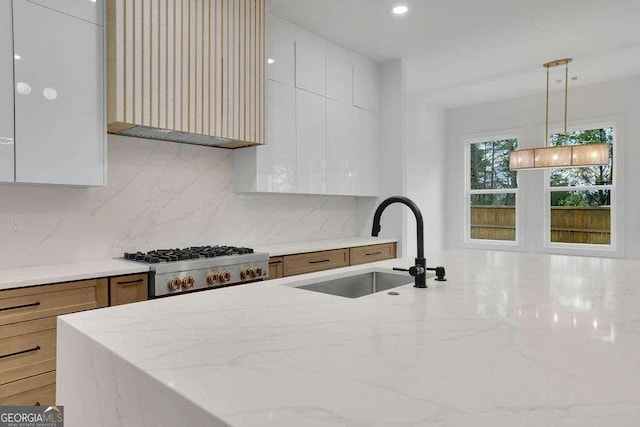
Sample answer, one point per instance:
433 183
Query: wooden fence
569 224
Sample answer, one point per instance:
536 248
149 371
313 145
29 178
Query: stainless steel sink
360 285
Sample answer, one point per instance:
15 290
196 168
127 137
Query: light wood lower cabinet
22 304
28 336
36 390
128 289
301 263
27 349
372 253
275 268
315 261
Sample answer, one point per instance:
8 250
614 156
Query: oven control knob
174 284
188 282
245 273
225 276
213 278
256 271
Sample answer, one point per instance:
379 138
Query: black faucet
418 270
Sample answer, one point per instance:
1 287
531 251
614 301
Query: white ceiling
462 52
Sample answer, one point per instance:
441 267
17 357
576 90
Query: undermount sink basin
360 284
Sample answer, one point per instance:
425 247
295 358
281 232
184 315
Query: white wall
425 169
392 176
160 194
617 100
412 160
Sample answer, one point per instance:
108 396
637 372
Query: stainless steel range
175 271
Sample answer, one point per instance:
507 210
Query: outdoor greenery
490 170
593 176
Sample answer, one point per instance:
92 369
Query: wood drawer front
27 349
364 254
19 305
315 261
275 268
37 390
128 289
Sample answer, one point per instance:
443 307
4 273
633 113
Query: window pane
597 175
490 165
493 216
581 217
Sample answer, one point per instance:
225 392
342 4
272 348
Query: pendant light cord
546 132
566 96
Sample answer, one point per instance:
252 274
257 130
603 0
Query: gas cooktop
173 271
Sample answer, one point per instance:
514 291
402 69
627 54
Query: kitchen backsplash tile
159 195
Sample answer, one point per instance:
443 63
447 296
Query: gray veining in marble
159 195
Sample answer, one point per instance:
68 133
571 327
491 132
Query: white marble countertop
510 339
321 245
45 274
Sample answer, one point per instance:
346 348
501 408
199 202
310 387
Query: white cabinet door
59 119
280 59
311 129
87 10
366 160
365 90
341 148
277 159
339 78
311 68
6 94
352 150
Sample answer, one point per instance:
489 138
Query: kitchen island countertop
510 339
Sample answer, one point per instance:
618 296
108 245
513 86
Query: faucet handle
413 271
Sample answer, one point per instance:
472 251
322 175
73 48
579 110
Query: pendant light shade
562 156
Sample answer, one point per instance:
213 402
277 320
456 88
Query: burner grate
194 252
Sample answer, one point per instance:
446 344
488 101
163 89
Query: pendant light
563 156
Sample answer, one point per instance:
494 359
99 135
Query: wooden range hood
188 71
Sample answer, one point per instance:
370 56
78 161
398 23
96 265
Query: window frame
615 248
486 243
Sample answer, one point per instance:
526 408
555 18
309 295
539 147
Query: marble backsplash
160 194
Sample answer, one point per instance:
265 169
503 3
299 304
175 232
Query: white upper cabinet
87 10
341 148
278 160
365 89
317 142
281 59
339 78
59 113
311 131
352 155
272 167
6 94
366 148
311 68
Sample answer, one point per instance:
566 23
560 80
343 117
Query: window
580 201
491 190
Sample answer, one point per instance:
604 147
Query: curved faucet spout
416 212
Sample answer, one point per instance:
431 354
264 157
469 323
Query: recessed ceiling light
400 10
17 57
270 61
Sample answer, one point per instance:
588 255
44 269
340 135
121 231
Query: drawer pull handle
275 262
128 282
374 253
17 353
33 304
318 262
